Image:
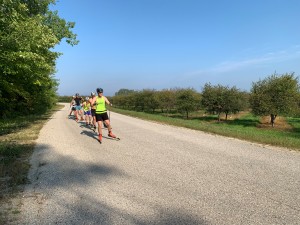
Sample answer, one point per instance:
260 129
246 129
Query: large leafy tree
222 99
275 95
28 32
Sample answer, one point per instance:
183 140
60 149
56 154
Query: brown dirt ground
280 123
265 121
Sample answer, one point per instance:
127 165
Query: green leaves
187 100
27 63
222 99
275 95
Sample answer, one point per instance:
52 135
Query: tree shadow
13 165
243 122
210 119
53 175
297 130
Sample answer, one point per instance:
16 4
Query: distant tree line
28 33
275 95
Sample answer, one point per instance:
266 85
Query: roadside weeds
17 142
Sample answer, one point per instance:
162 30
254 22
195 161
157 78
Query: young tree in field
235 101
275 95
222 99
213 98
166 99
187 100
124 98
138 101
150 99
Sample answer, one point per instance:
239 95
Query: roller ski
112 136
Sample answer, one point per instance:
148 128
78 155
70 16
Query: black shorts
93 111
101 117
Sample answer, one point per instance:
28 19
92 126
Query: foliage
222 99
166 99
124 91
28 32
275 95
150 100
65 98
184 100
187 100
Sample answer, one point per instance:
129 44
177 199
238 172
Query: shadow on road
65 182
88 133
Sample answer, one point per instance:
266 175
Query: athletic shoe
100 137
110 134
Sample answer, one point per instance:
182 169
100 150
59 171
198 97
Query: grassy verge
17 141
246 127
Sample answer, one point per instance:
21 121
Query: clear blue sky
156 44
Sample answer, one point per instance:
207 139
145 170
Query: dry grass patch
280 124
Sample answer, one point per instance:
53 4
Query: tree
150 99
166 99
124 98
145 100
276 94
235 101
124 91
187 100
222 99
27 63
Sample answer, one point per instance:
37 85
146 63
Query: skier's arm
107 102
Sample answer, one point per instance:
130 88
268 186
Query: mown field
244 125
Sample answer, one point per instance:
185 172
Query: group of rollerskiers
93 110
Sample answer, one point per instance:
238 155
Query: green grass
245 127
17 141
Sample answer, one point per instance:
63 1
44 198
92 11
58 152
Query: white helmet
87 98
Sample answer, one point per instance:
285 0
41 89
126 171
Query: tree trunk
219 119
273 117
187 115
226 116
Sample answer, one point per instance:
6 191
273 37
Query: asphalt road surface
157 174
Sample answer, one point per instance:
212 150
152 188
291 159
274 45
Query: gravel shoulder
157 174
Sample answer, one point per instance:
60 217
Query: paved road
157 174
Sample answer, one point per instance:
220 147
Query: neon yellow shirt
100 105
86 106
